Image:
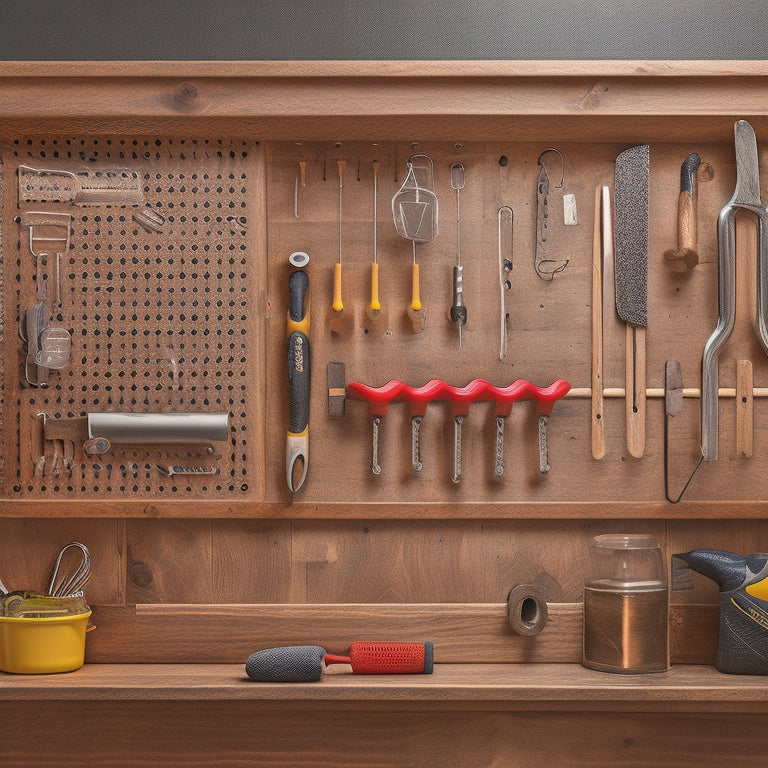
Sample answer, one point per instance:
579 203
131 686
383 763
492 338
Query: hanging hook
562 164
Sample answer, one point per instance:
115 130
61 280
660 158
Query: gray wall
394 29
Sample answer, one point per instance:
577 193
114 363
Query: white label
569 210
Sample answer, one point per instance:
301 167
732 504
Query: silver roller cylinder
158 428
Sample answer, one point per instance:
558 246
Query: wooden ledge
453 686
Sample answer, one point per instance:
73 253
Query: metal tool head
747 192
457 176
631 233
296 460
68 578
415 207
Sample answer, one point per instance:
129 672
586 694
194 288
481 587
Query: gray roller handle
158 428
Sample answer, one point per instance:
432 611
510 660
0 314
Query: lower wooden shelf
455 686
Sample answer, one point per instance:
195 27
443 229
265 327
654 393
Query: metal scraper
631 253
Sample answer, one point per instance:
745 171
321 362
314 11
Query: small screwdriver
458 310
338 305
375 306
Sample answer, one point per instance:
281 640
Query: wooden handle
635 389
744 409
686 256
598 431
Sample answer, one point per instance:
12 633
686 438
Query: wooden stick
744 410
635 386
598 431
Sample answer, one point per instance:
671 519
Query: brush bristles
292 664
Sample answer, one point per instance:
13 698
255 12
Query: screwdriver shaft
457 422
498 468
375 466
416 443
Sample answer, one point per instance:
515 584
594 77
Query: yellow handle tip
415 297
375 305
337 304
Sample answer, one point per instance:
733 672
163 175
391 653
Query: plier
746 197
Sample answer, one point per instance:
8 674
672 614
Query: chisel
297 327
631 253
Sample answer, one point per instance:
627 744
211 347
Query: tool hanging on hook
545 264
458 312
338 304
506 220
374 308
746 196
415 212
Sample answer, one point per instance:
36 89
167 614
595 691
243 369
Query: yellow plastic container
30 646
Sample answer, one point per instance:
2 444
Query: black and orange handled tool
307 663
297 327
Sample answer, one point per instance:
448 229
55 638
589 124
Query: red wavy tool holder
460 399
477 391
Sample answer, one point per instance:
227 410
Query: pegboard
159 292
548 325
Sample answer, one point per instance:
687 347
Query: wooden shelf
471 686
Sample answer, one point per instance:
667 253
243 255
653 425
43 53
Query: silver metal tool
506 219
458 310
177 469
415 212
97 432
47 347
545 264
158 428
88 186
746 196
70 578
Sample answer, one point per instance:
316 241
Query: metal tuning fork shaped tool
747 197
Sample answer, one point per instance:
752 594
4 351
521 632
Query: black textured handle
298 286
298 351
299 381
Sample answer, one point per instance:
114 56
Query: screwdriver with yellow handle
338 304
375 306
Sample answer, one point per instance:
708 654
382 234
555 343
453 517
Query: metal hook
562 164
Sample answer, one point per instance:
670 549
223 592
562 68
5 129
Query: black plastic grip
299 381
298 352
298 285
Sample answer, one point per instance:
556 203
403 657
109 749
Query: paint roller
307 663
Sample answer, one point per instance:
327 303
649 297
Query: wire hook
562 164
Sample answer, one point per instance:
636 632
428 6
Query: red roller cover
382 658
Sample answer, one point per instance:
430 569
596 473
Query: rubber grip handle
299 362
298 382
298 308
